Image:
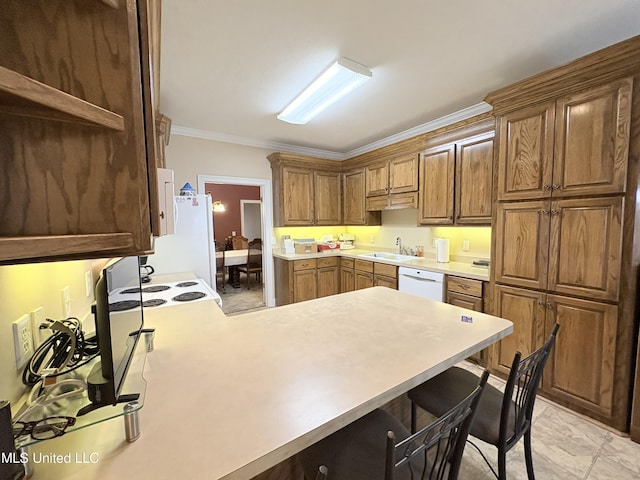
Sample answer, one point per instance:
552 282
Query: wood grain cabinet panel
592 141
305 285
347 275
298 199
77 169
474 180
403 174
327 198
377 179
363 274
328 276
580 369
467 293
437 171
354 211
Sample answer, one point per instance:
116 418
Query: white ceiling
230 66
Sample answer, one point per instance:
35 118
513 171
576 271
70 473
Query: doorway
262 205
250 218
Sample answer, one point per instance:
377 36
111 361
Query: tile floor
565 447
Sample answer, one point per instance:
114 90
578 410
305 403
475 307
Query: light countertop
460 269
229 397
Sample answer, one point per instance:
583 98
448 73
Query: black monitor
118 329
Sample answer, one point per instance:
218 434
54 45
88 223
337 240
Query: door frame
267 224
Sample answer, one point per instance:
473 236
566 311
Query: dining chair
254 261
503 418
239 242
221 269
359 450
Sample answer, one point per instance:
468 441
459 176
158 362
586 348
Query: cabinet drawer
306 264
403 200
346 262
364 265
374 204
386 270
465 286
327 262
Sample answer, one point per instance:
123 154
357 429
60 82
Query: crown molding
460 115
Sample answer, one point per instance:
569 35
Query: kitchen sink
388 256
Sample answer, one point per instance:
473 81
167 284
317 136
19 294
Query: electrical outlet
39 334
88 283
22 340
465 245
372 238
433 242
66 301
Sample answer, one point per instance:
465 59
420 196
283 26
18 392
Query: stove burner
154 302
188 296
123 305
186 284
156 288
131 290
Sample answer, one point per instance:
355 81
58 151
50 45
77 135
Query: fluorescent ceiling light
335 82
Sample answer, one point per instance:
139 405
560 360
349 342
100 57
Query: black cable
55 350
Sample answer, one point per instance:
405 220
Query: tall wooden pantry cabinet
566 178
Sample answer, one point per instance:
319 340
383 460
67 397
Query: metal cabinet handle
555 186
546 186
549 305
545 211
554 211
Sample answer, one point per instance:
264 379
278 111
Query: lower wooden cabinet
580 370
358 274
467 293
385 275
363 276
300 280
347 275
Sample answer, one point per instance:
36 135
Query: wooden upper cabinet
396 175
592 141
474 180
297 207
590 131
77 168
327 198
585 247
525 153
377 179
403 174
437 170
522 243
354 210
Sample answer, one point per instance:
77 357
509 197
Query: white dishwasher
422 283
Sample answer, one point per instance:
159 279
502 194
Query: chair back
254 253
438 446
220 260
239 242
521 390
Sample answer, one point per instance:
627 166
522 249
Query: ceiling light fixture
334 83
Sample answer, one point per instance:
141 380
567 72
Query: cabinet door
437 169
347 279
474 180
464 301
525 308
305 285
592 141
328 198
328 281
363 279
297 201
580 368
586 247
383 281
403 174
522 243
354 195
377 179
525 153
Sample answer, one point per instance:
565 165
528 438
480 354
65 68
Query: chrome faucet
399 244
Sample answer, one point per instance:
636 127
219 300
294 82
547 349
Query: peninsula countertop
460 269
229 397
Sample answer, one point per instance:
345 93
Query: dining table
229 397
233 259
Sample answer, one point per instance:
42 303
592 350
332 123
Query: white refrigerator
191 247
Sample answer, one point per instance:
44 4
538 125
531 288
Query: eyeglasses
44 429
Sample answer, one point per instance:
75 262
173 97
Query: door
522 243
526 309
474 185
251 219
328 281
347 279
437 170
592 141
305 285
525 153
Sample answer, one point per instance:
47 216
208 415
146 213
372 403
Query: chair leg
413 417
502 464
527 455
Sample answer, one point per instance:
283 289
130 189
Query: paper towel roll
442 250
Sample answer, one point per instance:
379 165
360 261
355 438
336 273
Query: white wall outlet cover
22 340
88 283
39 334
372 238
66 301
465 245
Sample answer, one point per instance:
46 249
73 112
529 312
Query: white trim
463 114
242 203
267 225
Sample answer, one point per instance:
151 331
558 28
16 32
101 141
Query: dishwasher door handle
421 278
